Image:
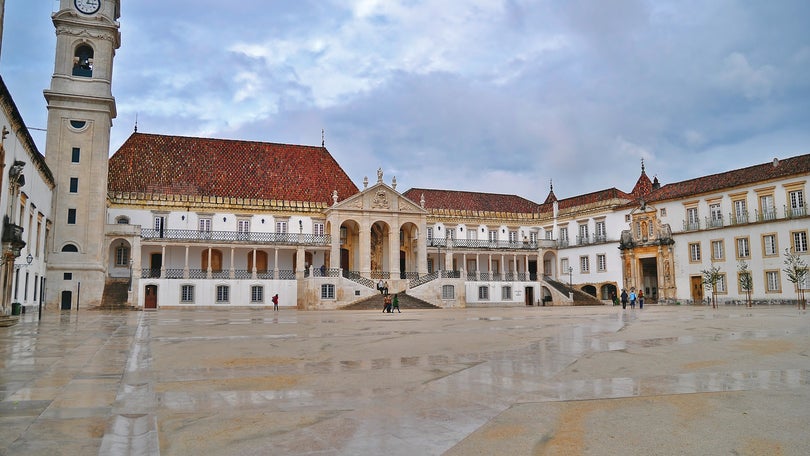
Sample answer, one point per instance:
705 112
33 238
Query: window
767 207
797 208
769 246
513 237
564 234
77 124
205 225
601 262
627 218
740 211
450 233
76 153
772 281
506 293
472 234
74 185
430 232
71 218
583 234
122 256
493 235
549 233
70 248
317 228
533 237
83 61
740 279
223 293
187 293
799 241
694 252
663 212
483 293
243 227
564 265
281 227
601 231
584 264
716 215
327 291
257 293
692 220
720 286
743 248
67 276
160 223
448 292
122 220
718 252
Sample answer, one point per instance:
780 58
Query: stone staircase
580 297
406 302
116 295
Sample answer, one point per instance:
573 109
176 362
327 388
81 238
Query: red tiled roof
472 201
178 165
609 194
730 179
643 186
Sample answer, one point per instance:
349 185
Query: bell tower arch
80 112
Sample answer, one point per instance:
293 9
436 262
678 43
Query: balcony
743 218
485 244
13 235
236 236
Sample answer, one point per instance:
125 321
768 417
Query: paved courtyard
503 381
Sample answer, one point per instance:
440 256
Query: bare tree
711 277
796 271
746 281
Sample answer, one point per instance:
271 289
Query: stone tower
80 112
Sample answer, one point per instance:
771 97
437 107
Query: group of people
391 302
631 297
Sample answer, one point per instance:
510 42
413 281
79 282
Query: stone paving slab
596 381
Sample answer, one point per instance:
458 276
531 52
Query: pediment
379 198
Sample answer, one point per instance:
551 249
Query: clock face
87 6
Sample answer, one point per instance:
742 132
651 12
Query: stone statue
379 175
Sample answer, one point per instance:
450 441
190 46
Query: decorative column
275 263
365 248
334 255
393 251
185 265
254 269
163 261
231 270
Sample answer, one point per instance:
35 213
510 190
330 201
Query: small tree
746 281
710 278
796 271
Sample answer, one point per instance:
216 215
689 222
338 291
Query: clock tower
80 112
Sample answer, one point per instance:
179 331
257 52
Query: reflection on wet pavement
169 382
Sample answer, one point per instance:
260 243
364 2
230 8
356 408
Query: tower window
78 124
83 61
74 158
70 248
71 219
74 185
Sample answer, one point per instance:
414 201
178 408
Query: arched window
83 61
122 220
70 248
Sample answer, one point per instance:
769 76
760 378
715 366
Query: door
67 300
156 262
529 293
150 300
697 288
402 264
344 259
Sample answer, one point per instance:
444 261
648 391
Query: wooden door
697 288
150 300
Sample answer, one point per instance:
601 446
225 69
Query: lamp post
570 277
131 262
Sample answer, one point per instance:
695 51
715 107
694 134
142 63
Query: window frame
737 247
694 252
601 262
798 241
223 294
721 244
71 216
506 293
328 291
73 185
187 293
775 273
448 292
483 293
775 252
584 264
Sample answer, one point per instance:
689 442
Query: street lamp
570 277
131 262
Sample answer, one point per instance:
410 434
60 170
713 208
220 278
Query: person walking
387 304
275 301
632 299
640 299
395 303
624 298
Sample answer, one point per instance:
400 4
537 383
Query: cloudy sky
483 95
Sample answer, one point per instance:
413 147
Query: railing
355 276
380 275
225 274
424 279
482 244
767 215
236 236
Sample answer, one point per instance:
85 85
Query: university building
173 221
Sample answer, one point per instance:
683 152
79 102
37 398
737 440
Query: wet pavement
601 381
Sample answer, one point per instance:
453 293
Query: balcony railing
482 244
743 218
224 274
237 236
